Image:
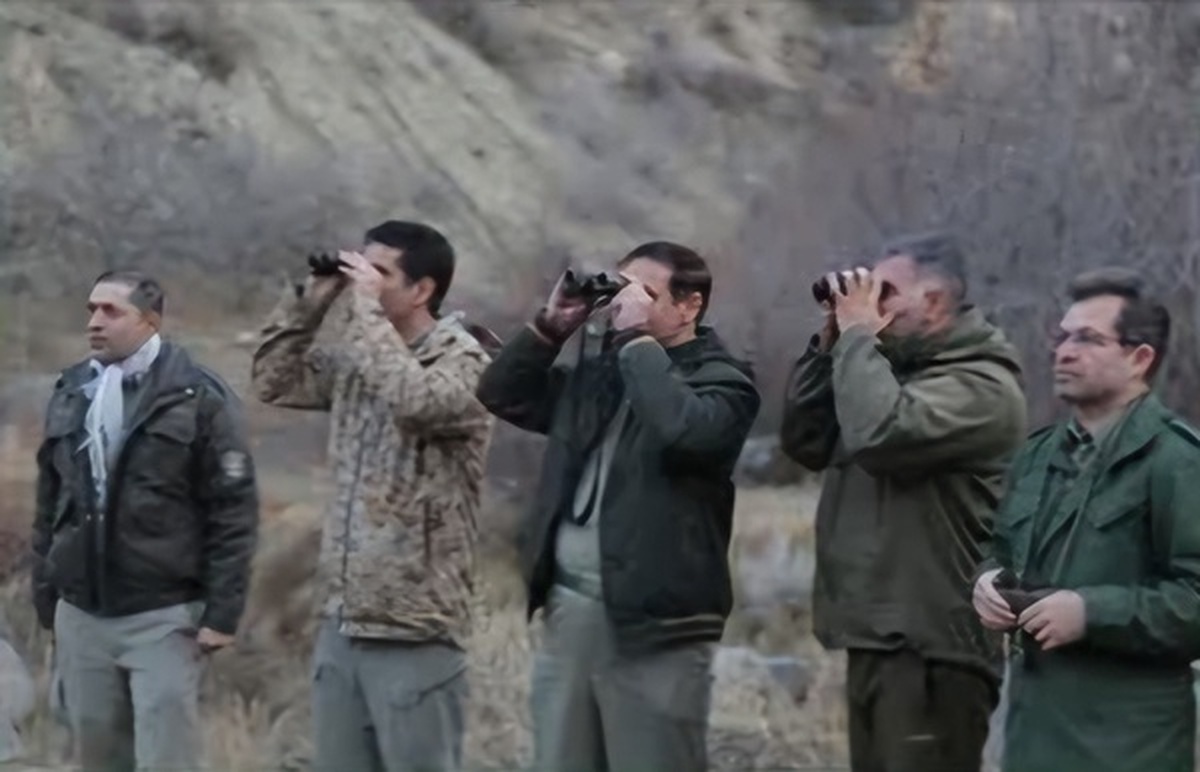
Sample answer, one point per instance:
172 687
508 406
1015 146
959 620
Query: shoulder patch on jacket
1185 430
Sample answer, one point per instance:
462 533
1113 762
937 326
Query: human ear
1143 358
691 306
424 291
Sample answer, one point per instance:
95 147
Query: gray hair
935 252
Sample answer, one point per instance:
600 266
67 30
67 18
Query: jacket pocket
1013 521
66 560
178 427
159 481
1114 511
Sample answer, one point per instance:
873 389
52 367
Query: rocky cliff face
218 141
222 134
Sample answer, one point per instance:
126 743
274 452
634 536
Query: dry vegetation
256 698
1054 136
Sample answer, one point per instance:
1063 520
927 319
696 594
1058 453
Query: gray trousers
385 705
594 709
132 687
993 751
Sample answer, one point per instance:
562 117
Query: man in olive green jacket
1095 567
910 401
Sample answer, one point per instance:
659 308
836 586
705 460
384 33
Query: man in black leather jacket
145 525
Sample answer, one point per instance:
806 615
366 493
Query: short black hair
1143 318
145 292
689 271
425 252
936 252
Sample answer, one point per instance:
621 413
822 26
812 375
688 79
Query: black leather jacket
182 519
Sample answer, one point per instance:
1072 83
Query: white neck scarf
105 420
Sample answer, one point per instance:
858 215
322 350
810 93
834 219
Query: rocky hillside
527 132
220 140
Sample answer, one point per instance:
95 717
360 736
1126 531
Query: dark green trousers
908 714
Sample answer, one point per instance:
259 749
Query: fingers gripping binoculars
592 288
1016 593
325 264
823 292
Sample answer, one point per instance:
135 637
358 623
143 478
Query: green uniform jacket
915 445
1125 535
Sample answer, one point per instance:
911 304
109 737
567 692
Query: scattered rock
773 572
17 698
742 669
763 462
794 675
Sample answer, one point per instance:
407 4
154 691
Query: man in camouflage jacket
408 442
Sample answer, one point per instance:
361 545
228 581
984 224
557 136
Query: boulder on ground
17 697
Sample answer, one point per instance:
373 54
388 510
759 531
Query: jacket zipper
420 469
362 449
346 531
104 514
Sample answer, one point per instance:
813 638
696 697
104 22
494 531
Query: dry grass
256 698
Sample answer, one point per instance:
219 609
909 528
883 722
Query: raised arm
712 415
522 386
435 400
288 369
952 414
810 429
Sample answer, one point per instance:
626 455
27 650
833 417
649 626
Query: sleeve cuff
534 337
987 565
814 350
305 311
219 621
848 338
1103 608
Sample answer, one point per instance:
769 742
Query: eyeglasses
1088 338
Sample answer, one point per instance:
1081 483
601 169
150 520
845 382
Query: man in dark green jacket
911 404
1098 537
626 546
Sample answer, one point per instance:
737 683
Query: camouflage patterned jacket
407 443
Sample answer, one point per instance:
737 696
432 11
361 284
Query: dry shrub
256 697
1058 140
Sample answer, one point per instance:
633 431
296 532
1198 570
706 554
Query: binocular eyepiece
823 292
593 288
325 264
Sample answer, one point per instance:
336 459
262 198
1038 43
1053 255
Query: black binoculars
325 264
593 288
823 292
1017 594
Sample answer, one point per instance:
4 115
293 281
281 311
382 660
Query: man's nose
94 322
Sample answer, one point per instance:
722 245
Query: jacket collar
1128 437
448 334
171 370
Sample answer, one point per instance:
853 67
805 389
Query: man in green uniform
910 403
1095 569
